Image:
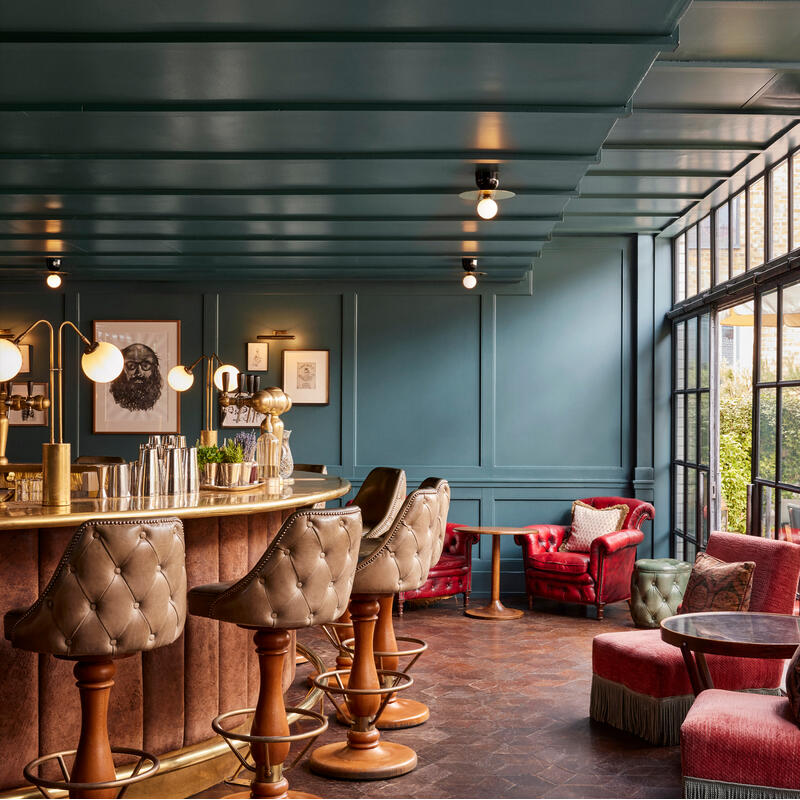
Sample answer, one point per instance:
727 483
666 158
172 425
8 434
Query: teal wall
524 396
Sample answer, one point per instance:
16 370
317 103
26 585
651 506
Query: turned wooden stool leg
398 712
363 756
93 761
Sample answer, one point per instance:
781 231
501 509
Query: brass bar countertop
307 489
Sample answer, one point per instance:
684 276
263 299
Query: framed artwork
257 356
27 416
306 376
139 400
25 349
236 417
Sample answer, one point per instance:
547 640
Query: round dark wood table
494 609
729 633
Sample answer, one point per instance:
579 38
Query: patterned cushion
793 684
716 585
588 523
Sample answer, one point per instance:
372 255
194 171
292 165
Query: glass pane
766 434
679 427
789 517
769 338
755 199
689 552
691 426
738 228
691 261
680 268
691 502
704 257
705 354
680 355
767 514
679 548
680 477
704 429
779 210
790 435
790 357
722 243
796 201
691 355
703 495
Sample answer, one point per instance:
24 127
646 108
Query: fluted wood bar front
164 700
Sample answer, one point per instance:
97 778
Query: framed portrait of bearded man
139 400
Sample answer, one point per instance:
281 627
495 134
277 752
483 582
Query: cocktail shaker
175 477
149 473
119 481
192 480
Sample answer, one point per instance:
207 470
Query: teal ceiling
312 139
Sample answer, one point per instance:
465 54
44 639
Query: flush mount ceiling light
487 193
470 278
54 277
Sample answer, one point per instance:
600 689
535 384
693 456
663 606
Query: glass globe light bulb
10 360
103 363
180 379
469 280
221 370
487 207
53 280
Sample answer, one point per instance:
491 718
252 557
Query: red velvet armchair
452 574
596 578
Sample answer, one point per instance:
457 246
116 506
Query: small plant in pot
230 469
208 459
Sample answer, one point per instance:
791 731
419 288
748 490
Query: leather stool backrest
119 588
400 561
442 488
379 499
304 577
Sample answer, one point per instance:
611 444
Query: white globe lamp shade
10 360
224 369
180 379
103 363
487 208
53 280
469 280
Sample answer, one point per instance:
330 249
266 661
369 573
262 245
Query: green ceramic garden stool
657 587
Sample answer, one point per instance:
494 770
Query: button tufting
92 606
299 584
263 579
117 571
151 637
274 615
113 642
136 605
158 567
95 535
142 535
67 642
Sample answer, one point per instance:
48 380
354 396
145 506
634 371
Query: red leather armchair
452 574
596 578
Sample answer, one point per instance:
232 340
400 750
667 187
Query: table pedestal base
494 610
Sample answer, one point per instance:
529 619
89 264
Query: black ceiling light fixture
488 193
470 277
54 273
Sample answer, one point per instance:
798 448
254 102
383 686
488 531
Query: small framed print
27 416
257 356
25 349
306 376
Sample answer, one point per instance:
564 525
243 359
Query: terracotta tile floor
509 714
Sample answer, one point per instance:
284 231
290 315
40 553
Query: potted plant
208 459
230 469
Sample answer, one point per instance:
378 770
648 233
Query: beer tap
16 402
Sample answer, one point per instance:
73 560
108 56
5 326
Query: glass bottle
267 451
287 462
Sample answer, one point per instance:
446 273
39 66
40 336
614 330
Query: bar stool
119 589
379 498
304 578
398 561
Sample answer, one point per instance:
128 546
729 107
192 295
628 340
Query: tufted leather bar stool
119 589
379 498
398 561
304 578
657 587
403 712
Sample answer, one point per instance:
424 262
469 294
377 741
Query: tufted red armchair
452 574
600 576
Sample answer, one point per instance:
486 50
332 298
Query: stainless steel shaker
192 471
119 481
149 473
175 476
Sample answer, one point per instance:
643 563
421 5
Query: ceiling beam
689 196
303 155
155 237
666 41
689 146
72 255
248 106
637 213
272 191
133 217
660 173
695 63
736 111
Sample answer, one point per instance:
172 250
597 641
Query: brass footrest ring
421 647
79 787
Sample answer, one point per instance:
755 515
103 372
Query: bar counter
164 700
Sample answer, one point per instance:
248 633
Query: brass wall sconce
101 362
276 334
181 379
